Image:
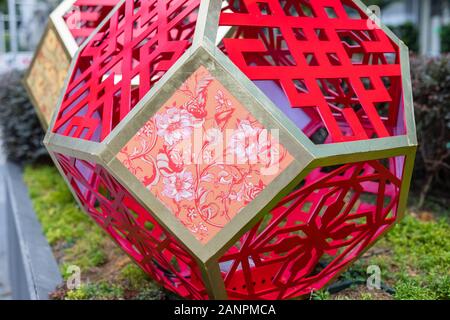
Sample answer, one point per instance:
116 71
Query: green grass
414 256
77 240
64 224
131 283
421 257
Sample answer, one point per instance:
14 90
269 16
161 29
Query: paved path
4 286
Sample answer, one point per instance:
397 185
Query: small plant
420 258
97 291
320 295
134 276
20 128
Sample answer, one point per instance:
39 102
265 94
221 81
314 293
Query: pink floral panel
204 156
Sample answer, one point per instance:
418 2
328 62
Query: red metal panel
314 232
138 44
328 57
133 228
85 16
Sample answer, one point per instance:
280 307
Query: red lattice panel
85 16
133 228
314 232
124 59
329 59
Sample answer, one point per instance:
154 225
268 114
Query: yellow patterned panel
47 74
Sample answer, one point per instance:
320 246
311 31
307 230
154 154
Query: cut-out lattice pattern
323 63
85 16
133 228
329 59
314 232
122 61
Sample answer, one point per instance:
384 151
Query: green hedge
21 131
431 90
409 33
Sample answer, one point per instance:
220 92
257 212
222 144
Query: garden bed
414 257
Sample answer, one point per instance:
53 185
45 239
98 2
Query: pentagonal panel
324 63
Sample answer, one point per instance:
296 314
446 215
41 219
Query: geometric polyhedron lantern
68 26
240 149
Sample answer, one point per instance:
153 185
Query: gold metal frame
307 155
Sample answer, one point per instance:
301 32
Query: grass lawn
414 257
106 272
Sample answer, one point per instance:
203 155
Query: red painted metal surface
85 16
329 59
314 232
137 45
133 228
345 77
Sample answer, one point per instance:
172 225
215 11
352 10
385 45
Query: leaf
223 117
207 177
203 84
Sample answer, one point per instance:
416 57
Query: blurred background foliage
409 33
21 131
431 90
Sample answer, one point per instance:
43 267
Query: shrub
445 38
20 128
431 89
409 33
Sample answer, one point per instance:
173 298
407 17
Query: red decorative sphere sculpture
239 149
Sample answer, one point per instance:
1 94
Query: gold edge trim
61 28
408 100
158 210
255 210
75 58
74 147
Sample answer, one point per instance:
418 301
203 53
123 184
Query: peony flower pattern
182 155
179 186
174 125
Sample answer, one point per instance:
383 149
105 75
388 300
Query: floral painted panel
204 156
47 74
